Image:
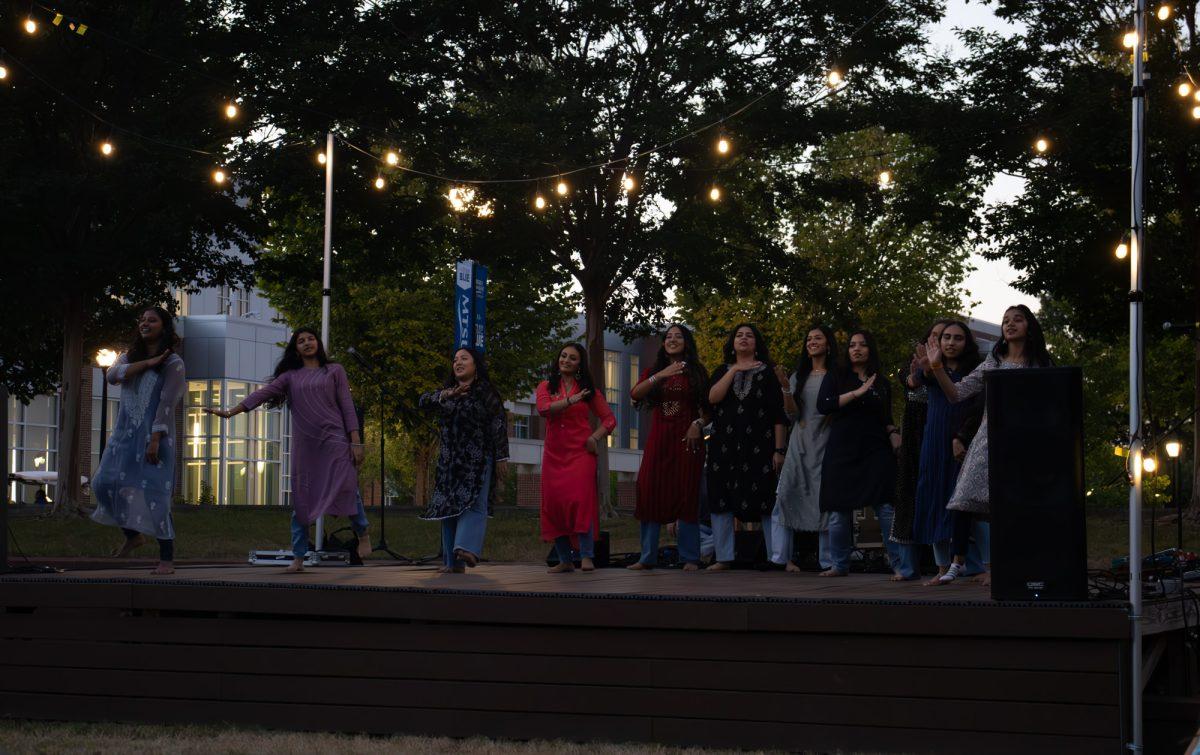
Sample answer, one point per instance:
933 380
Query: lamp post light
105 358
1174 449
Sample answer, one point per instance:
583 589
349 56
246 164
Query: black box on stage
1035 476
601 559
748 548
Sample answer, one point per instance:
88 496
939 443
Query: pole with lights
1136 446
105 358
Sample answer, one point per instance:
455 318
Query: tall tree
101 231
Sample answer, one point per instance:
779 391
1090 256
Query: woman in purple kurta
326 445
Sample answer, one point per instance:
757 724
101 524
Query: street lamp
1174 450
105 358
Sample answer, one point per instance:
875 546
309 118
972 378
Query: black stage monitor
1035 474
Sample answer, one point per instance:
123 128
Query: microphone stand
382 545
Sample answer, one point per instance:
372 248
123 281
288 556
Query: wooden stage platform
736 659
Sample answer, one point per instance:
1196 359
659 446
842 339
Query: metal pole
326 292
103 411
1135 377
5 470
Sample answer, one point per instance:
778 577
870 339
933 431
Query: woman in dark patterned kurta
474 453
747 445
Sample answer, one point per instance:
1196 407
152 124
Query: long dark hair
583 377
139 350
482 382
761 352
970 357
873 365
1036 354
804 365
696 374
291 359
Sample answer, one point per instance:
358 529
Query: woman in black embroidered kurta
474 449
747 444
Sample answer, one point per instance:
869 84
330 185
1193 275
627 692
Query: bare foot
984 579
585 564
443 570
718 566
639 566
164 568
691 567
832 573
130 544
364 546
791 567
295 567
897 578
561 568
467 557
934 582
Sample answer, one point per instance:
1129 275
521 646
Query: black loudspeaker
748 548
1035 475
601 559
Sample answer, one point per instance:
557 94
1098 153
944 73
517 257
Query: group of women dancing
748 442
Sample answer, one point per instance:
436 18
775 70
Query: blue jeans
688 539
841 541
587 547
466 531
358 523
978 554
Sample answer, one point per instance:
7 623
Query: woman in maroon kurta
569 508
668 484
326 445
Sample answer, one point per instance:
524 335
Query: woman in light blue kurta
135 481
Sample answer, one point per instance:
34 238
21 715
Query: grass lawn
30 737
230 534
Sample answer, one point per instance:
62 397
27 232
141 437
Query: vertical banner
480 303
464 304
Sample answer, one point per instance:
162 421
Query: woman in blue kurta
135 481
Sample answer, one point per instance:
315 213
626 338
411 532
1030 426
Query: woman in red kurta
569 506
668 483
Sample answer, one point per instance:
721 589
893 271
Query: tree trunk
69 491
593 308
423 468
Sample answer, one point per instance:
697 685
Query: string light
834 78
1149 464
321 158
231 111
1130 39
628 182
218 176
3 72
106 148
714 193
379 182
1041 145
391 158
539 202
485 210
461 198
562 188
1164 12
723 145
1122 250
885 179
30 26
1196 112
1185 88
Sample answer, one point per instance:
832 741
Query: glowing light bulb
218 176
1185 88
379 182
628 182
106 148
1122 250
30 26
1130 39
106 358
1041 145
1149 464
231 111
1173 448
834 78
485 210
885 179
391 158
715 193
1164 12
562 188
539 202
461 198
1196 112
3 72
723 146
321 158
